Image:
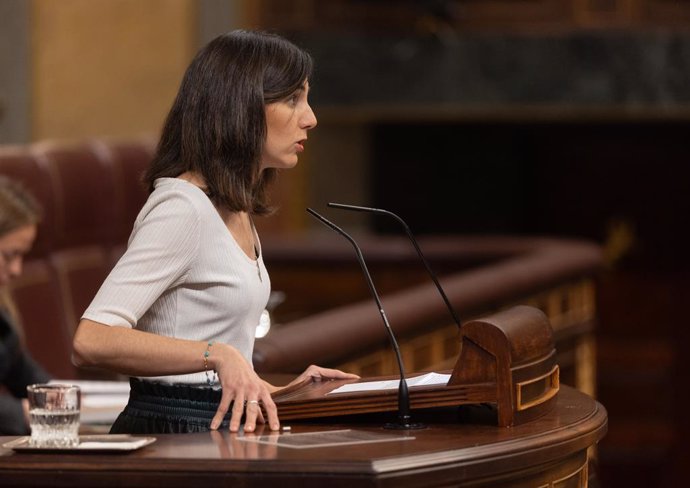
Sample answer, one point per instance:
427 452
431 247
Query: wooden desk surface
551 448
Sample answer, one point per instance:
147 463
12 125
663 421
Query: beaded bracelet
207 353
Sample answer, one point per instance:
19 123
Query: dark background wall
607 181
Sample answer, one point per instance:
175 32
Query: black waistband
173 400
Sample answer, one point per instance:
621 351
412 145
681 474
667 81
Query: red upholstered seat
84 193
37 294
128 161
19 163
91 194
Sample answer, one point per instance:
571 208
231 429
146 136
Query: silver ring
253 402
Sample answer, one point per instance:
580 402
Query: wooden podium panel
507 359
314 399
453 451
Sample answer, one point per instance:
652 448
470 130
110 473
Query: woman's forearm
133 352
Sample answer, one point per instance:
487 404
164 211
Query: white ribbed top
184 275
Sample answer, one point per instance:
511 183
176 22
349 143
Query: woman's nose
309 119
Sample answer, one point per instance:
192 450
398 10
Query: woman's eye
294 99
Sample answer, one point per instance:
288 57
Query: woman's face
13 246
287 123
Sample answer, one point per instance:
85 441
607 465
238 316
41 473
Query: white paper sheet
117 445
428 379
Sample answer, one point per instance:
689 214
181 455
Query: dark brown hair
217 124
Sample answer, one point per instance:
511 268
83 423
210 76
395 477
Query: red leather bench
90 195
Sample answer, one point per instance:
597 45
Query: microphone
414 243
404 417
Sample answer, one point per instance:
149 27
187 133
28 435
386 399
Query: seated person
19 215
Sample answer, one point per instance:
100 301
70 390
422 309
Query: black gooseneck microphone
414 243
404 417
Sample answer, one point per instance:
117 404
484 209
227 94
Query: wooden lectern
507 360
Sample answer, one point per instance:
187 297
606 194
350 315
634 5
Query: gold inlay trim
554 384
582 473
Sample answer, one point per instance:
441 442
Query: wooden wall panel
107 68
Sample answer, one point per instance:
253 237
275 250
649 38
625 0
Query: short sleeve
161 249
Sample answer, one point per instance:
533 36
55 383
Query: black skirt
159 408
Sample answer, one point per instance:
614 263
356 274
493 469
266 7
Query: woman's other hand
317 373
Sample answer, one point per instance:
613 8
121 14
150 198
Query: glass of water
54 415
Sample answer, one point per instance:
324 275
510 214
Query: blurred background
536 117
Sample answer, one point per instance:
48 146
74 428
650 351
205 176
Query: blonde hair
18 208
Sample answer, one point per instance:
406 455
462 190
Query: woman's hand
317 373
243 388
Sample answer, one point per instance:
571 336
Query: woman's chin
285 164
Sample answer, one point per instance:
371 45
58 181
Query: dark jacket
17 370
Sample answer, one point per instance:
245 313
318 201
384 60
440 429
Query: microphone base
404 426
